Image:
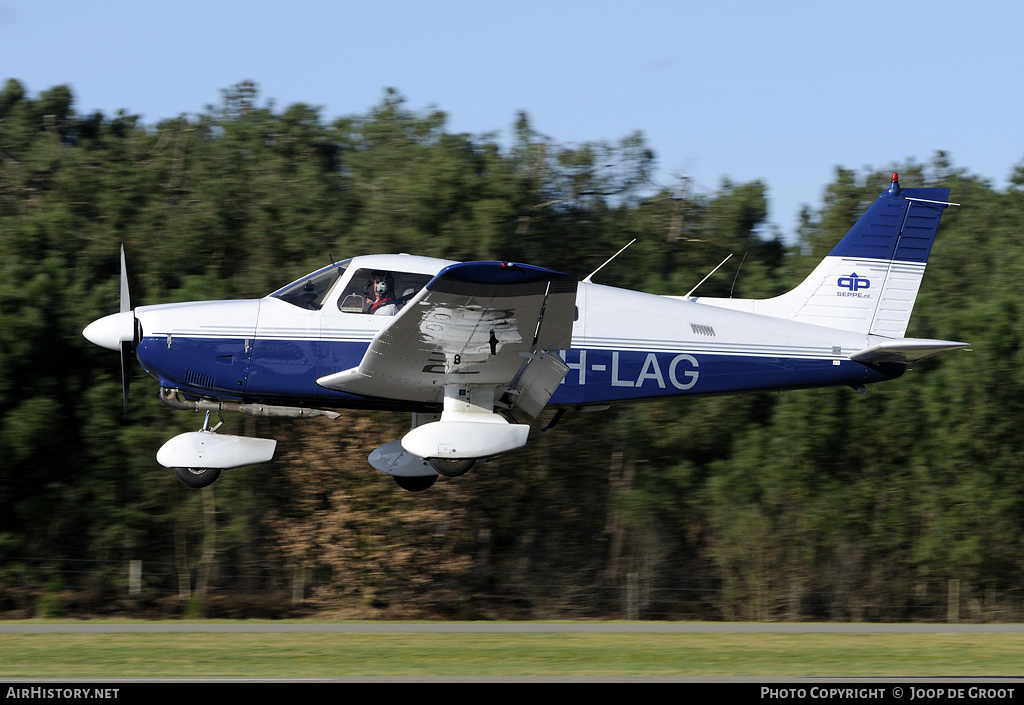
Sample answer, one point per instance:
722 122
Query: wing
476 323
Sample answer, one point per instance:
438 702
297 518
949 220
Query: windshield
309 291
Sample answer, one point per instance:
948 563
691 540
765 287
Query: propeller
118 331
127 346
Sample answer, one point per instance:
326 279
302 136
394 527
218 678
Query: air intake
198 379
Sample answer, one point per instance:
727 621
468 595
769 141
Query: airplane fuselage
626 345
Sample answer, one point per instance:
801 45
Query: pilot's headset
385 285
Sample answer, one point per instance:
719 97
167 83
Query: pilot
382 295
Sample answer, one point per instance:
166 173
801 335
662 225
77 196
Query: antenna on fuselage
590 276
737 275
707 277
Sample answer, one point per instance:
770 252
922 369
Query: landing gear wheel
453 467
197 478
417 483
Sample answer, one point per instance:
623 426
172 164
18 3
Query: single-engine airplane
465 346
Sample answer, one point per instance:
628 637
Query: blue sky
779 91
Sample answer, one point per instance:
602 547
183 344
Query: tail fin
869 281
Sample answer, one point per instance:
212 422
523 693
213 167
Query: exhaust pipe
171 397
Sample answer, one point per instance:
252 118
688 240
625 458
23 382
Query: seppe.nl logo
853 285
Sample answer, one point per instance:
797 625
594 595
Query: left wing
475 323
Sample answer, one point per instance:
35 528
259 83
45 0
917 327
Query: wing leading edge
475 323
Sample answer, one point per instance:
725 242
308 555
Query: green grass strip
318 655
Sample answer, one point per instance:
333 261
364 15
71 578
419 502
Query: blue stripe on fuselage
600 376
288 369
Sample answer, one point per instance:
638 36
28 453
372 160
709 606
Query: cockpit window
395 289
310 291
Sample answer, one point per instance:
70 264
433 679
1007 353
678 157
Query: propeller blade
126 370
119 331
127 346
126 301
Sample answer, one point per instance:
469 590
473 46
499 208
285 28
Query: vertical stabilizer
869 281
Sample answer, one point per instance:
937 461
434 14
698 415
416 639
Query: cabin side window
380 292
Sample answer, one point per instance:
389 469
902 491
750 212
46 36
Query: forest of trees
903 503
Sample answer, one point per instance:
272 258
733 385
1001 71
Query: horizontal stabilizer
905 350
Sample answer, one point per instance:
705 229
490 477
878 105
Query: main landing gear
447 467
197 458
415 483
196 478
452 467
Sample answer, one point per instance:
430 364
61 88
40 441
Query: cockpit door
346 327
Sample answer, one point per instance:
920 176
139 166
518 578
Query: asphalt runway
86 627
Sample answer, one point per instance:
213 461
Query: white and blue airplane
466 347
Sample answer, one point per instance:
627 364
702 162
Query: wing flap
475 323
538 382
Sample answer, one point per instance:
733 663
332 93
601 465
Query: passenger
382 295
